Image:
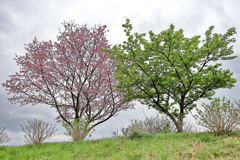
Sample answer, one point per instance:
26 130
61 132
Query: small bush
38 131
3 136
157 125
152 125
78 130
166 128
135 135
218 118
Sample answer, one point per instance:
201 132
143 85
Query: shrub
159 124
3 136
152 125
38 131
78 130
163 124
218 118
237 103
135 135
136 126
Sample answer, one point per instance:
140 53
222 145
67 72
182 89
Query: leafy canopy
172 66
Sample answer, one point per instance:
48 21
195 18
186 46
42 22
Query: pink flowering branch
71 75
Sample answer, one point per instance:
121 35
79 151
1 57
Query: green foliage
135 135
136 126
219 118
207 138
172 66
78 130
3 148
166 128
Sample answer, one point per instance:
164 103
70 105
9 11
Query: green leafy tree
172 66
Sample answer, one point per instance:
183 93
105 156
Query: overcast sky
22 20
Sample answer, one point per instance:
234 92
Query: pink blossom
72 75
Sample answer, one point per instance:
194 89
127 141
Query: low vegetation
152 125
219 117
152 138
38 131
172 146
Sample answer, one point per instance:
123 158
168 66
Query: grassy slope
162 146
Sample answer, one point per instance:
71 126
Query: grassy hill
170 146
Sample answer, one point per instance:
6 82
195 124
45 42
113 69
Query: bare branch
3 136
38 131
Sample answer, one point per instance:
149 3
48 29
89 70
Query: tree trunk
179 123
79 129
179 127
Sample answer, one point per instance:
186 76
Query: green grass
162 146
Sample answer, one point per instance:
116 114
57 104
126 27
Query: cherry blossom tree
72 75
